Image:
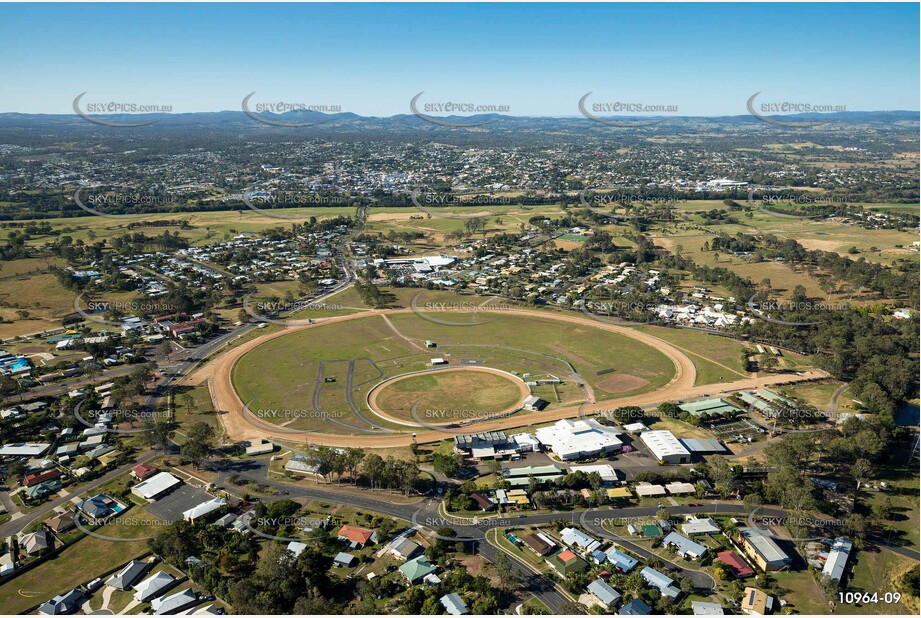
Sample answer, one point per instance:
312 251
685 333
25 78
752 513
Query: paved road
14 526
424 511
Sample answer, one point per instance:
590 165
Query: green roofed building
567 562
651 531
711 407
764 400
416 569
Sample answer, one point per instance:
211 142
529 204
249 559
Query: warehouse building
577 440
665 447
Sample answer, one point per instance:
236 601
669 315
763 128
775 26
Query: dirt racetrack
239 426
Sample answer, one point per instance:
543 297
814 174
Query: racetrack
240 426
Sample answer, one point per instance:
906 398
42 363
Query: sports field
449 395
318 379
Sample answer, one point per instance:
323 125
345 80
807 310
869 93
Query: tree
157 434
198 446
509 575
862 471
445 464
768 362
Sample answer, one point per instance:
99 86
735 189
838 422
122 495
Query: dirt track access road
240 426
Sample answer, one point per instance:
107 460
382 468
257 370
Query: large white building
665 447
577 439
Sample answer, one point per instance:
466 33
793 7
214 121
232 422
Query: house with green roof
414 570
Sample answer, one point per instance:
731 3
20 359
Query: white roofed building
665 447
578 439
158 485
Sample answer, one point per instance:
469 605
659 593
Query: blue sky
538 59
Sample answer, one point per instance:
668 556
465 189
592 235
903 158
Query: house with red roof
37 478
143 471
355 536
567 562
736 564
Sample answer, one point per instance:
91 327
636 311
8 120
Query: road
14 526
425 513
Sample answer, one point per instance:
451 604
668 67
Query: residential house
566 562
174 603
416 569
763 550
684 546
62 604
35 543
61 523
623 562
453 604
636 607
153 586
125 577
662 583
606 596
538 543
356 537
737 566
757 602
702 608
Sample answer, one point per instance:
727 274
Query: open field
449 395
199 228
241 424
873 572
70 568
326 360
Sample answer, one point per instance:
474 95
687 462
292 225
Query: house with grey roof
67 603
702 608
174 603
837 559
624 562
684 546
153 586
453 604
603 593
660 582
128 575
